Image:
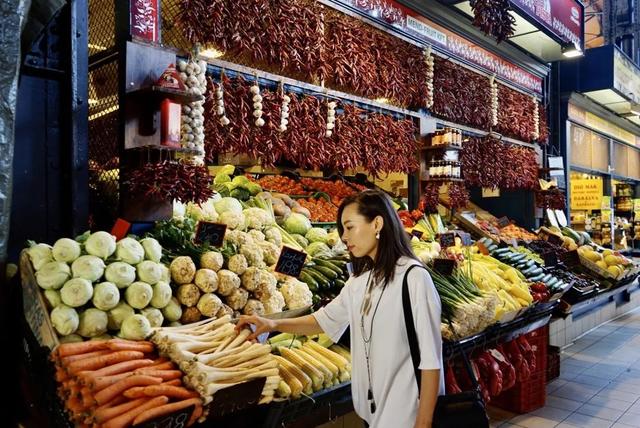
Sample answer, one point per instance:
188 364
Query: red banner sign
411 23
562 17
145 20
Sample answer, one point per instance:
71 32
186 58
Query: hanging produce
536 120
192 74
331 118
543 138
553 198
514 114
428 57
494 18
458 195
494 100
257 104
219 100
169 181
284 110
461 95
306 41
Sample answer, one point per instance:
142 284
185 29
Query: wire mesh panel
172 34
104 161
102 33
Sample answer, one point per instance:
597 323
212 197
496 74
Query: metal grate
104 161
102 24
172 34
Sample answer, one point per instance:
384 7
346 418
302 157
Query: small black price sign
174 420
444 266
465 237
417 233
291 262
503 222
447 240
550 259
213 233
571 258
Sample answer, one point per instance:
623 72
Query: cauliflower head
274 303
228 282
274 236
257 218
296 293
270 252
254 255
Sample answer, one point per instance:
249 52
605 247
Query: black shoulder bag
462 410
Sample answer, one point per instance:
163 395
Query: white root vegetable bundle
214 356
193 75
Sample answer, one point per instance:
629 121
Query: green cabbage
139 295
106 296
53 275
129 251
317 234
100 244
121 274
76 292
118 314
297 223
65 320
90 268
228 204
66 250
135 327
93 322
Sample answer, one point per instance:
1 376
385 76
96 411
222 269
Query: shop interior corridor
599 383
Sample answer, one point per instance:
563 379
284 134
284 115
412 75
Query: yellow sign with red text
586 194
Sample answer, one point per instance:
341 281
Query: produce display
118 383
494 18
337 190
214 356
95 286
320 208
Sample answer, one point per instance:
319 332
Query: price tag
174 420
503 222
550 259
571 258
444 266
291 262
237 397
447 240
417 233
120 229
483 248
465 237
213 233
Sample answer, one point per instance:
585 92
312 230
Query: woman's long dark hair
394 241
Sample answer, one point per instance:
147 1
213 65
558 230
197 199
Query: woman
384 387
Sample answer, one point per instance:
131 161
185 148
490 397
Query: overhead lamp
571 50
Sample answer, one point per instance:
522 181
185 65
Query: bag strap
413 336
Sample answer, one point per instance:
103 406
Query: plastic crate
529 395
553 363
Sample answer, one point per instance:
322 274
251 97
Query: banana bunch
491 275
306 366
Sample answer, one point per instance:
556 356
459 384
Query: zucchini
535 271
536 278
546 278
342 264
328 272
329 265
310 281
552 281
339 283
492 248
518 257
323 282
502 251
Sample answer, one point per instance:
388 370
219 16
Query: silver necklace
367 341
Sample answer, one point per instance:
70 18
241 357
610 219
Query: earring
377 235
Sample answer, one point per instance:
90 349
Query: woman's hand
263 325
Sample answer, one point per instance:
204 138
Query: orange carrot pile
119 383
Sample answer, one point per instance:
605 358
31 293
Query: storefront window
580 147
621 160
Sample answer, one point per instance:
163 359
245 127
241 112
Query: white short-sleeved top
392 375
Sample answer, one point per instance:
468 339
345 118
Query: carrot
104 413
100 383
113 369
71 358
162 374
74 404
126 418
170 391
119 387
126 345
174 382
115 402
61 375
99 362
135 392
87 397
156 412
197 412
67 349
165 365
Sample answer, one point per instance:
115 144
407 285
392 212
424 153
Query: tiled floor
599 384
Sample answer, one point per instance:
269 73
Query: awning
544 28
608 77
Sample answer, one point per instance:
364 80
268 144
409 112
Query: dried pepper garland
493 18
553 198
458 196
316 137
543 138
514 114
303 40
430 197
170 180
460 95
